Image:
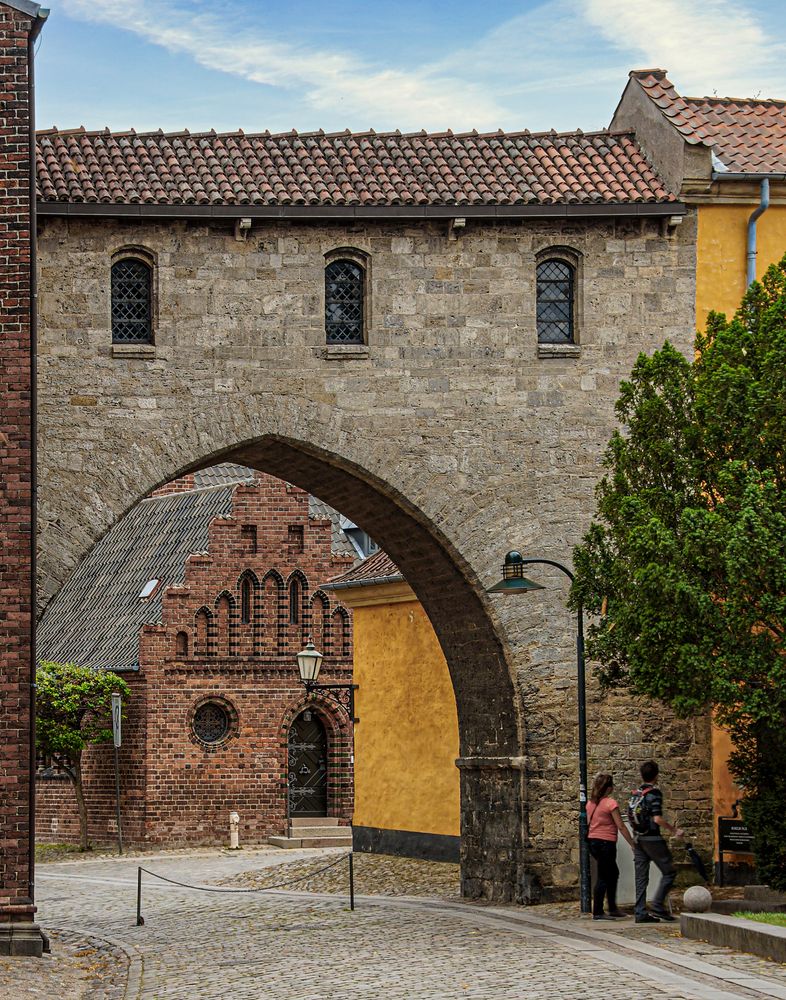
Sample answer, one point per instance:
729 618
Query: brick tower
20 23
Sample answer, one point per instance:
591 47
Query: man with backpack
645 813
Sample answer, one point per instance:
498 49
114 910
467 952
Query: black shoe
647 919
618 914
663 915
602 916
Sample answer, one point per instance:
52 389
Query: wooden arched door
307 766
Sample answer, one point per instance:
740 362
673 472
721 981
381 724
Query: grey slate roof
222 475
96 618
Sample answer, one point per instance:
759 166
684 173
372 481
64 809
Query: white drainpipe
764 204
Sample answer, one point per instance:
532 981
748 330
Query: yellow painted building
726 157
407 788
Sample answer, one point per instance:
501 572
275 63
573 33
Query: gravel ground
375 875
78 968
382 875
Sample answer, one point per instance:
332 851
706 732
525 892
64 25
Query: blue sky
387 64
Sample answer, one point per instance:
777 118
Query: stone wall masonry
450 440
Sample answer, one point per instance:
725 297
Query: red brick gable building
202 597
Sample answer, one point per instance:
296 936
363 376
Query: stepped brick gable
227 636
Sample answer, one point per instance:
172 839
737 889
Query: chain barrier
140 920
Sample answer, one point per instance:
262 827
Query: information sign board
734 837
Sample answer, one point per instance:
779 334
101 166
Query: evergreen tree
684 565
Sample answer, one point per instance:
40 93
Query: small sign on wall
117 715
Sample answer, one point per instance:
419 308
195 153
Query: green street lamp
514 582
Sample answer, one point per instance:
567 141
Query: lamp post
514 582
309 661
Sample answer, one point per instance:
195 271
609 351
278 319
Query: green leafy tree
73 710
684 565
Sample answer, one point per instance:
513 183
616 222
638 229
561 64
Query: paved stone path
298 946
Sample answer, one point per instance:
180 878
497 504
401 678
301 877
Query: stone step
763 894
295 843
320 831
314 821
746 906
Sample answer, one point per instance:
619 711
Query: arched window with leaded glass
132 301
555 297
345 301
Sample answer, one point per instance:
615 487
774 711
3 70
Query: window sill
344 352
133 350
559 350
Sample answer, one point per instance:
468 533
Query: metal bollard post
351 883
234 826
139 918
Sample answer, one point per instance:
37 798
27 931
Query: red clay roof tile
376 568
748 135
344 169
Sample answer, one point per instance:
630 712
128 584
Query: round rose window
211 722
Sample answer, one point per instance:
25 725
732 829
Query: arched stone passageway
493 864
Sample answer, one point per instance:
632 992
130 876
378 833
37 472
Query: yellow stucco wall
406 742
720 285
721 257
724 791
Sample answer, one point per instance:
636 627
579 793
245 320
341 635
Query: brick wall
181 485
175 788
16 516
56 814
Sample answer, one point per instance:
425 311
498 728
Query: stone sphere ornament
697 899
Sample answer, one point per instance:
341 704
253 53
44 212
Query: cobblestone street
301 946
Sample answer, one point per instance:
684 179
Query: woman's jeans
605 853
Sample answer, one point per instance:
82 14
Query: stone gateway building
428 332
200 598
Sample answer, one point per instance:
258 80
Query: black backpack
639 811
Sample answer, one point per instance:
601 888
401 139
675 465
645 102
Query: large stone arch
444 579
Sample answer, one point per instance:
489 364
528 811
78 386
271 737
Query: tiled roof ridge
661 75
375 568
195 489
343 133
753 101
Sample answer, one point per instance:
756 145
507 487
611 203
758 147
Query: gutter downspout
35 30
764 204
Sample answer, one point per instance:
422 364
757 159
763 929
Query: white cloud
562 63
706 45
326 79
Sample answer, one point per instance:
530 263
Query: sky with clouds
387 64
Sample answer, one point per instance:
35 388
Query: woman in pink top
605 823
